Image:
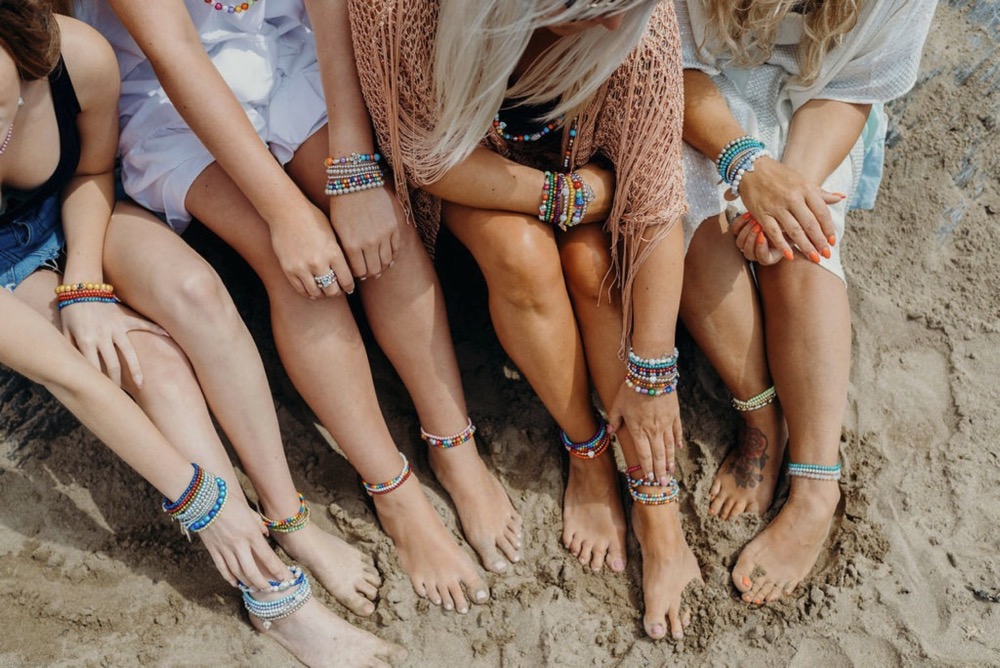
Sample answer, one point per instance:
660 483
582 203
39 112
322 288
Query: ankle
821 496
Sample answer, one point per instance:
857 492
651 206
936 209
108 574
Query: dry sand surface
93 573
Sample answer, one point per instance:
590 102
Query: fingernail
814 256
756 228
825 253
745 216
788 254
650 476
840 195
832 239
760 239
664 480
363 278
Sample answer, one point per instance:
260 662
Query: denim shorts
33 241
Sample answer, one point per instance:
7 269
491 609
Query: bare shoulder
90 61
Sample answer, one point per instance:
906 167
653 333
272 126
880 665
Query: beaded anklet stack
353 173
289 524
815 471
756 402
76 293
592 448
389 485
653 377
737 158
271 611
445 442
565 198
200 504
670 491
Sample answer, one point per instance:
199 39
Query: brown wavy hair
747 29
30 34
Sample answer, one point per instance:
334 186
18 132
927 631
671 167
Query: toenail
462 611
747 582
678 635
500 565
517 557
447 606
481 596
657 630
619 564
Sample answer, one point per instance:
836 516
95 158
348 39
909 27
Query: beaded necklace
501 129
568 155
10 130
238 8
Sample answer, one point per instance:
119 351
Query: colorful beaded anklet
200 504
756 402
271 611
658 499
445 442
390 485
289 524
591 448
815 471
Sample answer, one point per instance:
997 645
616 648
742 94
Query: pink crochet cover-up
634 120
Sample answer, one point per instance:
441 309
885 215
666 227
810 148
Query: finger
819 208
112 366
661 465
832 198
740 222
330 283
250 573
767 256
386 254
793 228
749 246
373 260
127 351
668 449
90 354
223 567
811 227
776 236
395 244
678 431
642 451
745 233
344 276
614 419
268 560
358 264
136 324
297 284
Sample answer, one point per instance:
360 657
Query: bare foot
489 521
746 480
774 562
317 637
345 572
438 568
668 566
593 518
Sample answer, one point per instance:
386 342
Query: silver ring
326 280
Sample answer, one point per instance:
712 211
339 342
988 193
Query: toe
360 606
716 505
513 536
686 618
738 509
727 509
478 591
509 549
367 589
676 627
716 488
741 578
420 588
444 594
616 560
597 557
458 596
373 579
585 552
756 594
656 626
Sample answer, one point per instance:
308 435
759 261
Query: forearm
86 210
486 180
708 123
656 294
821 135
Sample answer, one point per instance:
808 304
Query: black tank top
67 107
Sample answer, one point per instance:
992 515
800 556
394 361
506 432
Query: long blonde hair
479 43
747 29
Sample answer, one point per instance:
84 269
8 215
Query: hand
655 425
306 248
789 208
236 542
100 332
367 224
602 182
752 241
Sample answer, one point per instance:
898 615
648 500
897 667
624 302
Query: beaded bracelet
445 442
565 199
757 401
275 586
353 173
200 504
815 471
289 524
389 485
730 150
271 611
652 377
77 293
671 494
593 447
99 287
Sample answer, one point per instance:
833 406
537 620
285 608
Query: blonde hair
747 29
479 43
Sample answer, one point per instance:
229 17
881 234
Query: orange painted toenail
747 582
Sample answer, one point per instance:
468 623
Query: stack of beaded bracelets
594 447
389 485
289 524
76 293
756 402
565 198
669 494
815 471
445 442
737 158
200 504
271 611
353 173
653 377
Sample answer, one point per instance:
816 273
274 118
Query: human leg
160 275
534 321
808 318
324 355
720 307
405 308
668 564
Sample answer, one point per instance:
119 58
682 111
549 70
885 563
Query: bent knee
586 263
166 369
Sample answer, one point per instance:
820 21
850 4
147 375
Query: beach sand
93 573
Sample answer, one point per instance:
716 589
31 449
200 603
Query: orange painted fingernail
840 195
825 253
832 239
745 216
756 228
789 255
814 256
746 581
760 238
